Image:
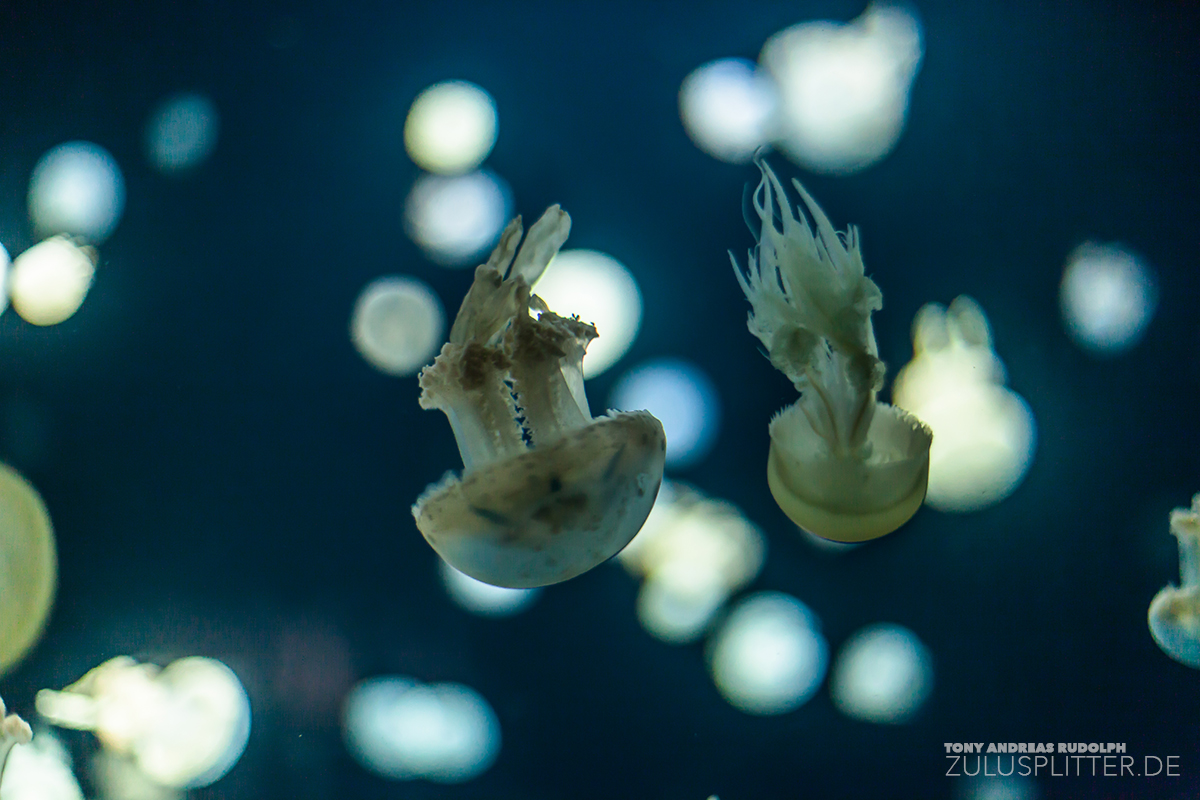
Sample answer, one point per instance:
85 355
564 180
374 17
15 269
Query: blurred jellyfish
28 567
48 282
4 264
726 107
882 674
983 433
451 127
118 778
483 598
40 770
683 397
599 290
768 656
397 325
1175 611
181 132
455 219
77 189
1108 296
843 89
184 726
13 731
692 553
401 730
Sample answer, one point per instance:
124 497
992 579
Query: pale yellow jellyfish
28 567
983 432
842 465
13 731
1175 611
49 281
184 726
547 492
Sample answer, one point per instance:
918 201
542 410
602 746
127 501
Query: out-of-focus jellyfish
843 89
77 189
4 264
1108 296
13 731
118 778
48 282
402 730
983 433
397 324
547 492
184 726
681 395
455 219
597 289
28 567
482 598
841 465
692 554
40 770
1175 611
451 127
726 107
181 132
768 656
882 674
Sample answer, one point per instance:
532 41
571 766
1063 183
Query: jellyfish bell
28 567
1174 615
841 465
547 492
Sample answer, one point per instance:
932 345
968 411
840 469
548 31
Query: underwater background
228 477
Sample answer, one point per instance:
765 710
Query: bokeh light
40 770
843 89
726 107
983 433
683 398
693 553
483 598
181 132
451 127
401 729
397 325
48 282
456 219
883 674
768 656
598 289
76 188
1108 296
28 567
183 726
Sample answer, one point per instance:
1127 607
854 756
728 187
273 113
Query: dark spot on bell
555 484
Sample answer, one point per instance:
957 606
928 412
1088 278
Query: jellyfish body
1174 615
842 465
28 567
547 492
182 726
13 731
